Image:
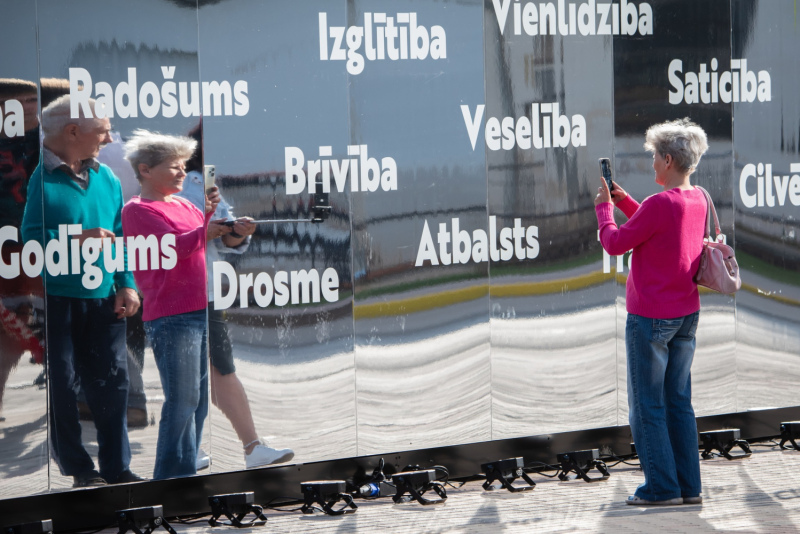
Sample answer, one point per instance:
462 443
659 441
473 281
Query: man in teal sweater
72 197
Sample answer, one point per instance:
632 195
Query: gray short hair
682 139
56 116
152 148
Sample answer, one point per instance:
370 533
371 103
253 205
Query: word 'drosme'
363 172
279 289
587 18
128 98
769 189
711 87
545 128
381 38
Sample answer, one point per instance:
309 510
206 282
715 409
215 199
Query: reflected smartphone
209 176
605 169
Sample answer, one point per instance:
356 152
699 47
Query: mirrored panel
123 402
282 296
766 192
548 120
23 402
421 295
655 81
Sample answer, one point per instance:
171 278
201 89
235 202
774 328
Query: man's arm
122 279
33 219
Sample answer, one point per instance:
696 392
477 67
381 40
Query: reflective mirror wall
765 184
263 233
116 69
285 295
23 398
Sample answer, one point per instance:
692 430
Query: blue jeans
660 353
179 345
86 347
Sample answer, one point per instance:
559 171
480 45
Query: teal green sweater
55 199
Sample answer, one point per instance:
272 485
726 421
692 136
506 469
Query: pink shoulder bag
718 268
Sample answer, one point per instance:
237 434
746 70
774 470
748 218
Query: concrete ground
756 494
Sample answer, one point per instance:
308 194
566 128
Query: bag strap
710 211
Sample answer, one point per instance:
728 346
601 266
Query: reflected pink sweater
181 289
666 234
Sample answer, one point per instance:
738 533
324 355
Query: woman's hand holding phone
604 195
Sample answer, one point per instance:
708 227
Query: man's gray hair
57 115
152 148
682 139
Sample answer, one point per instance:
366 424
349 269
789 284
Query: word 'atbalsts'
62 255
296 287
381 38
128 98
364 172
12 119
587 18
736 85
458 246
545 128
769 189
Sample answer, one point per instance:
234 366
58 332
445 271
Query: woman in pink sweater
173 283
665 233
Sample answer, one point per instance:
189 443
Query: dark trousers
86 347
136 340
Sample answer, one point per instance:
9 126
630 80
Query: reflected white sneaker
203 460
264 455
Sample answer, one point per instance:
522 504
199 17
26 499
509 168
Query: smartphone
209 176
605 169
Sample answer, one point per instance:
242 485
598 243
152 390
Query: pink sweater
183 288
666 234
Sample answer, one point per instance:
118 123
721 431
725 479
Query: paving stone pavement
756 494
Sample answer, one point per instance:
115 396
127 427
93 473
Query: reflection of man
20 297
86 336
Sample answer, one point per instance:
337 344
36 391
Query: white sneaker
203 460
265 455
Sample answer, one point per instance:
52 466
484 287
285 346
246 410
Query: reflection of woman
227 391
20 297
175 313
666 235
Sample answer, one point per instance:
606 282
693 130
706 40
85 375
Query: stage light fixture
581 462
790 431
45 526
723 441
235 506
142 520
375 485
416 483
506 472
326 493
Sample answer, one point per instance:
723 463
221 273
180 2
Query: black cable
620 460
192 518
771 443
444 478
542 467
112 525
292 509
277 507
464 480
